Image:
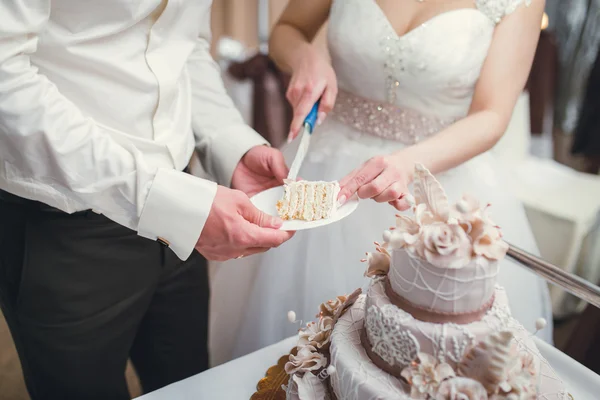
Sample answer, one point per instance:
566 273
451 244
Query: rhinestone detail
496 10
386 120
395 56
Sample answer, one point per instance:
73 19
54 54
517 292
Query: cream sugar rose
433 324
445 236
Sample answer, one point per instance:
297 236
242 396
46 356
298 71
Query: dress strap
498 9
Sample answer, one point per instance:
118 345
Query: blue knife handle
311 118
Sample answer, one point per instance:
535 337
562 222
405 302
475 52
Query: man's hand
235 228
261 168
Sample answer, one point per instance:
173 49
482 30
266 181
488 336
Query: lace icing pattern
356 373
449 341
358 378
396 346
459 347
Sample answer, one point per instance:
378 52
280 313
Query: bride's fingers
298 118
400 204
327 102
376 187
309 98
294 92
392 193
346 179
364 175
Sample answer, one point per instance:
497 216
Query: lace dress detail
408 62
497 9
403 109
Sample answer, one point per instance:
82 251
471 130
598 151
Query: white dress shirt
102 104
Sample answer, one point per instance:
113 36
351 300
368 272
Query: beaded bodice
428 73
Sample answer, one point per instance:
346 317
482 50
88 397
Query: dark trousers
81 294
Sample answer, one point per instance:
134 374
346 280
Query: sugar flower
425 376
308 359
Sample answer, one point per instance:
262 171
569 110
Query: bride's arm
501 81
295 30
290 46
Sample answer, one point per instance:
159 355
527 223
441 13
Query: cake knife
307 130
571 283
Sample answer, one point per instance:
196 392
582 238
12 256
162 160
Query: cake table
237 379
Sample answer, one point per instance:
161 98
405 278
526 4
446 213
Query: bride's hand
314 78
384 179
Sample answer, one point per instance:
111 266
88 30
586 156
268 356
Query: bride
428 81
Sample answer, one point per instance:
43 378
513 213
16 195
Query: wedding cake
433 323
308 201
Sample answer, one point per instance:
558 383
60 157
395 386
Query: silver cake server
571 283
307 130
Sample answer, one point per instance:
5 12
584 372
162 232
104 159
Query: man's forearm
222 136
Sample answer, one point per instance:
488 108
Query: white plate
266 202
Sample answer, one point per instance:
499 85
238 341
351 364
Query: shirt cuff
228 148
176 209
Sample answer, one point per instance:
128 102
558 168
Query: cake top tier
444 256
443 234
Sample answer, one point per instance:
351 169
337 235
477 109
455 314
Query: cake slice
308 201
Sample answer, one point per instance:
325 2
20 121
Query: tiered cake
433 324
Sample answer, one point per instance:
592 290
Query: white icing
358 378
319 212
442 289
301 197
331 199
285 203
309 201
446 342
295 200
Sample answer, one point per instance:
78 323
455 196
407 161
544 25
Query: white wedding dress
394 91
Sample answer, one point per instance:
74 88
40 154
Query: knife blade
571 283
307 130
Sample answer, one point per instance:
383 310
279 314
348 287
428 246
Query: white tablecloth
237 379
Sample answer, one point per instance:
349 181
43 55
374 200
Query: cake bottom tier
358 378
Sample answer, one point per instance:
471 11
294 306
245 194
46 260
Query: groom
103 234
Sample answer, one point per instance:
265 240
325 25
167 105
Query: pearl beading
496 9
386 120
